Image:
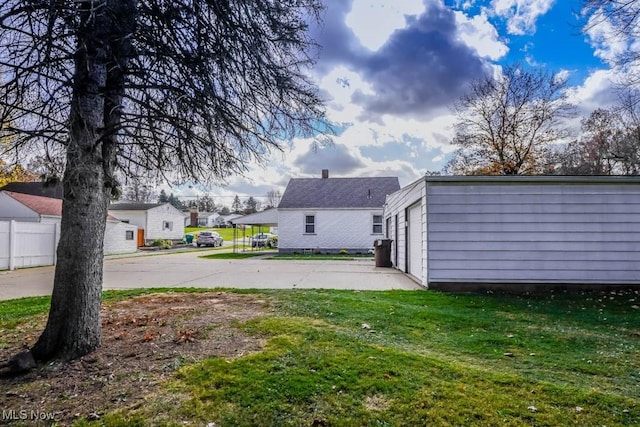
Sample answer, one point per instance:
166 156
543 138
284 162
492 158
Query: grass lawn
231 255
402 358
320 257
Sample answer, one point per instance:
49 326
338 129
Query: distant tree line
206 203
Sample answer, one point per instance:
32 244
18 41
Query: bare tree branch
506 123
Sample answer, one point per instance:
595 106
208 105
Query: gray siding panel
537 227
526 255
532 276
557 208
563 233
533 236
523 218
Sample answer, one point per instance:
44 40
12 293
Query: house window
129 234
309 224
377 224
167 225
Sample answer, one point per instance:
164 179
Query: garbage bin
189 238
382 249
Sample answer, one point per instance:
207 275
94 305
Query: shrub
272 242
343 252
162 243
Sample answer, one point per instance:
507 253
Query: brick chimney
325 173
194 217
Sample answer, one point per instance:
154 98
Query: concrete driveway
178 270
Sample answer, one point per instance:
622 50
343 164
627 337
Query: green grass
423 358
13 312
188 230
225 248
231 255
319 257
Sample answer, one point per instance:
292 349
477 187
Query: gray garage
515 231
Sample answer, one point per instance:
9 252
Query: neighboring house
331 214
119 237
29 208
154 220
227 220
516 233
208 219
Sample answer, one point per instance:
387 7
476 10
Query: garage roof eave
534 179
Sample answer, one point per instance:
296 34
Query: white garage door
414 240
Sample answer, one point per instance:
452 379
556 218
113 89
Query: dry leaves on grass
145 339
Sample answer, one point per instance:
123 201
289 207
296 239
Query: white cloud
521 15
597 91
480 34
341 83
603 37
561 76
464 4
373 21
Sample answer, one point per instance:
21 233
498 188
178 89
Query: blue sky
390 71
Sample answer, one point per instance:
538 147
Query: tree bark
74 327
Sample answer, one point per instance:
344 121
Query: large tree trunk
74 328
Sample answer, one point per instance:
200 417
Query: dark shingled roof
338 192
133 206
41 189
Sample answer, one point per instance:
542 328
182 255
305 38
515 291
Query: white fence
27 244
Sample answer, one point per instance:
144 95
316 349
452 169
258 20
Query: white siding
335 229
415 256
528 233
47 219
10 209
137 218
211 220
5 244
396 211
157 216
32 245
115 238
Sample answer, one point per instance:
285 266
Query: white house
118 238
154 220
518 233
227 220
29 208
208 219
331 214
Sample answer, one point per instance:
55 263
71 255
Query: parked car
261 240
209 238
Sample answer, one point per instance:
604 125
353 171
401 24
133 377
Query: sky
390 71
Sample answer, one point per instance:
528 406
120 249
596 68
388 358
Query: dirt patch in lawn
145 340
